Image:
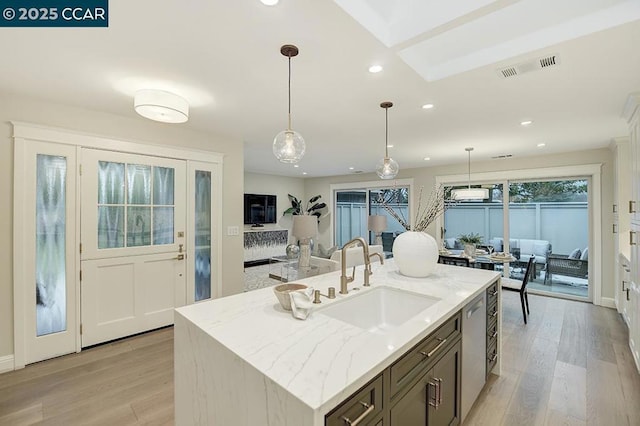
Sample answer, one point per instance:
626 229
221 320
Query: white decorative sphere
415 253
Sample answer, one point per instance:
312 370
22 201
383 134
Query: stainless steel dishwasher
474 351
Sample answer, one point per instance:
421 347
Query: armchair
562 264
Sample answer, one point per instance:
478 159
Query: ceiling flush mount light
427 106
387 168
526 123
159 105
269 2
288 145
470 193
427 158
541 145
373 69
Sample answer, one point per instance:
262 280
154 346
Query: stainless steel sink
379 309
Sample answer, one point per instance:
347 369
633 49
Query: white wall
426 177
280 186
135 129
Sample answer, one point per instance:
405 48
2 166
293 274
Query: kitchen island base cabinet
435 399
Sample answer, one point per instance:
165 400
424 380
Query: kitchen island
243 360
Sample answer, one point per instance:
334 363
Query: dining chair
521 287
453 260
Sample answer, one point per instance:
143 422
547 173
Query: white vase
470 250
415 253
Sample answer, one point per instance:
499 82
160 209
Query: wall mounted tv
259 209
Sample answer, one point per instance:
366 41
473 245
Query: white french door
133 247
45 294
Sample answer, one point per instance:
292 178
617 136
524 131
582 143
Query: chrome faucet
344 279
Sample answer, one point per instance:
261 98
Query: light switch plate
233 230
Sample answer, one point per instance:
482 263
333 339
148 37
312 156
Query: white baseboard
6 363
608 302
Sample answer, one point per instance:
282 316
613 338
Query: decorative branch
426 211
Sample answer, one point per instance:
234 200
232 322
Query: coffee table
284 269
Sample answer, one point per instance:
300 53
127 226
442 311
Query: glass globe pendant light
387 168
288 145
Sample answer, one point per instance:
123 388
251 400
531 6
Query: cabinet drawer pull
627 290
439 381
428 354
369 410
493 293
632 238
632 206
433 403
493 357
495 313
493 335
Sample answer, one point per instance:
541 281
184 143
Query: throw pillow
540 248
585 254
575 254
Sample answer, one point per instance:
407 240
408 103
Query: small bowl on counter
282 293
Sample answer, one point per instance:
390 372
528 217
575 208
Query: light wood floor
569 366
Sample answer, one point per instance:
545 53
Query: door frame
23 134
591 171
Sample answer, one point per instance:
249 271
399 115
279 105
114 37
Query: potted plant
470 241
312 207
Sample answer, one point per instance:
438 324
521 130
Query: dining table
482 259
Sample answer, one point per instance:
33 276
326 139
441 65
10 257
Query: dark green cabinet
435 398
421 388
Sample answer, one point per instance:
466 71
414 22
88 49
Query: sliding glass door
353 207
547 219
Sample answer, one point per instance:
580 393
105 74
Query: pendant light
387 168
288 145
469 193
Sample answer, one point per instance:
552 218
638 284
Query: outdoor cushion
585 254
575 254
540 248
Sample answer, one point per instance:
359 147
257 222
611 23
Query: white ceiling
224 58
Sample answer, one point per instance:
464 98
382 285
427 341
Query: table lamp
377 224
304 228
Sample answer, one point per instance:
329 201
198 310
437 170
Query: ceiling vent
533 65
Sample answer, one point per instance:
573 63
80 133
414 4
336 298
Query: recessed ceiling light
375 68
390 146
541 145
526 122
427 106
296 166
304 173
269 2
427 158
351 168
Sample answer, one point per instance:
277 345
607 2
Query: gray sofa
541 249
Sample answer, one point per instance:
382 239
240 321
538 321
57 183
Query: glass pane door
550 220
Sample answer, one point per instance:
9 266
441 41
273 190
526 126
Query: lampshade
377 223
304 226
288 145
469 193
159 105
387 168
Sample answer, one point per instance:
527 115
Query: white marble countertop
321 360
